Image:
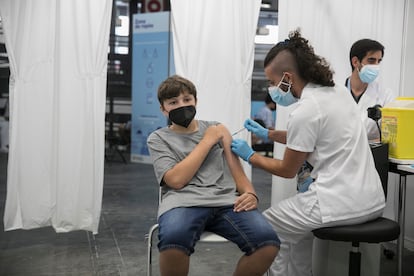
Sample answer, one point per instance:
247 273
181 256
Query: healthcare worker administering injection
324 129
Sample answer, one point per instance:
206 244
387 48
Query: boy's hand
214 134
245 202
256 129
242 149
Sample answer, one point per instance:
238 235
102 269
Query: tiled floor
128 211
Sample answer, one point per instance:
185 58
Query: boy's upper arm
162 158
233 160
226 141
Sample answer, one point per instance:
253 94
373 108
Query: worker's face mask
369 72
182 116
281 97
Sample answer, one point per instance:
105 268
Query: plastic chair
206 236
375 231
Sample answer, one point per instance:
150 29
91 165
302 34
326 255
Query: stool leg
354 261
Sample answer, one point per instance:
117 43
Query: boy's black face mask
182 116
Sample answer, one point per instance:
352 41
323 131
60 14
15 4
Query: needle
240 130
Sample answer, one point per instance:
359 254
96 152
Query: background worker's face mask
182 116
369 72
281 97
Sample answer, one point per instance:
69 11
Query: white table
406 168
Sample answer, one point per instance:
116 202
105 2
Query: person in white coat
365 57
266 117
266 113
325 130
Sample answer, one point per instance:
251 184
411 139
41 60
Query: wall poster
152 62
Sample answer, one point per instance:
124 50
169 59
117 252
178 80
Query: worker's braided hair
311 67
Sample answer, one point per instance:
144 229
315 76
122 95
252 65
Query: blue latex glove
242 149
304 186
256 129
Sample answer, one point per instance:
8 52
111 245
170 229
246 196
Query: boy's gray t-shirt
212 185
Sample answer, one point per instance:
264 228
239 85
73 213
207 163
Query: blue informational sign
152 63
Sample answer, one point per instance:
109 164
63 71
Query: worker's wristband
253 194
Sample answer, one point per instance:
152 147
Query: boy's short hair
361 48
173 86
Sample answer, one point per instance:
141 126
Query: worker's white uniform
347 188
373 95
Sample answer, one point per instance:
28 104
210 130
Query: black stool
375 231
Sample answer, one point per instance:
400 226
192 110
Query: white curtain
332 26
58 61
214 48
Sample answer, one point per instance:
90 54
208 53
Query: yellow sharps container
397 127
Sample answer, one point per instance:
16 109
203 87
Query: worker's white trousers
293 220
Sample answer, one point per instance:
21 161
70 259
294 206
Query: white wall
407 59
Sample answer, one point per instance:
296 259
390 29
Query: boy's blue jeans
181 228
